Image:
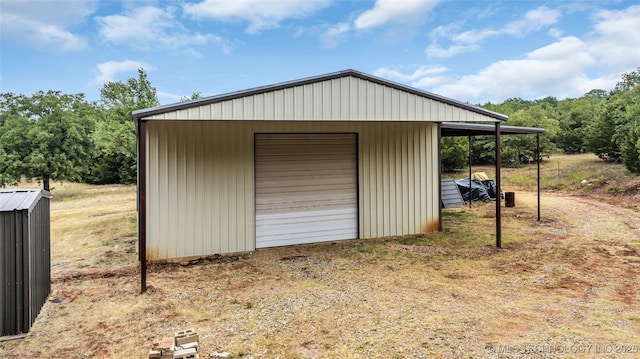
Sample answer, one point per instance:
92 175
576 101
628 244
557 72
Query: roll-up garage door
306 188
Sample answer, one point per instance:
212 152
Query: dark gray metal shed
25 258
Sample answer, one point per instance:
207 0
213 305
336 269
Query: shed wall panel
24 262
201 182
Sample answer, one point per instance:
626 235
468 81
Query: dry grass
93 227
569 280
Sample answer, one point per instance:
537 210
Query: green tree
615 122
45 136
455 153
14 147
518 149
574 117
114 158
630 147
194 96
510 106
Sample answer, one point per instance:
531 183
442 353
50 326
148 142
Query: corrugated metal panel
306 188
200 189
399 168
450 195
201 182
345 98
39 257
18 199
10 230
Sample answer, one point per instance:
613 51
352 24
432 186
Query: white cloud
434 50
45 24
559 69
469 40
422 77
534 20
430 82
557 33
385 11
474 36
110 69
419 73
260 14
405 12
615 41
148 26
334 34
568 67
556 70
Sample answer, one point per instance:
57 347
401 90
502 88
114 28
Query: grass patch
373 249
94 222
418 240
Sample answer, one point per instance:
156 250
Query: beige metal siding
200 182
306 188
345 98
399 179
199 185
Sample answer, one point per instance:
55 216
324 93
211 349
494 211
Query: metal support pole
470 192
142 203
440 176
498 189
538 161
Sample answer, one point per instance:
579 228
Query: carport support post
440 175
470 192
498 189
538 161
142 203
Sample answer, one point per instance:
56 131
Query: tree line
606 123
55 136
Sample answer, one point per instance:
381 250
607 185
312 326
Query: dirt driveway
563 287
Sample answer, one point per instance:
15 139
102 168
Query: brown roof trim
474 129
138 114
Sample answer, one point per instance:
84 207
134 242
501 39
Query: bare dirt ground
567 286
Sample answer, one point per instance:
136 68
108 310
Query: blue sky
473 51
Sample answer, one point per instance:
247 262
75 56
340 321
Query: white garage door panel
302 229
306 188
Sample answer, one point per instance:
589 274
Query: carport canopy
456 129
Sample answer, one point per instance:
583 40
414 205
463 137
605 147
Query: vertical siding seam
398 179
424 162
386 183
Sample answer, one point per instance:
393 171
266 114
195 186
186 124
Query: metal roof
449 129
138 114
20 199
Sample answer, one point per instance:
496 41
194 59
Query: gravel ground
564 287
